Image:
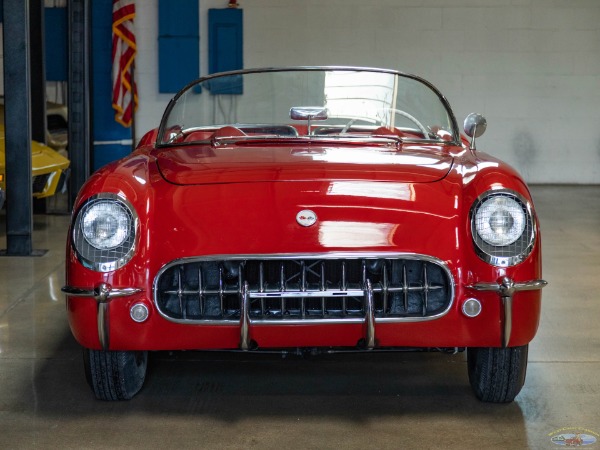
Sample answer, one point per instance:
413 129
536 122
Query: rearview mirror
308 113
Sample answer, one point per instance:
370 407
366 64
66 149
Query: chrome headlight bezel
112 257
517 250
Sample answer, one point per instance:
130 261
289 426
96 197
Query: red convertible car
327 208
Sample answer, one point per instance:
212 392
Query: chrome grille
303 288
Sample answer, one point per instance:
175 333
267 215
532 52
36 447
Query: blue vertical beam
17 84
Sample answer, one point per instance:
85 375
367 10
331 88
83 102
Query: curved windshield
309 103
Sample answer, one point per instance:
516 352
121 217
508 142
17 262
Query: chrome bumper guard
103 293
506 288
369 320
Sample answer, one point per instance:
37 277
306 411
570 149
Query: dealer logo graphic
574 437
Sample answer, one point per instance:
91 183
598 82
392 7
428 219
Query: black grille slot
56 123
39 183
303 288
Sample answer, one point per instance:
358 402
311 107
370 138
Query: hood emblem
306 218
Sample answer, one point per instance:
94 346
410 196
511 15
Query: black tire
497 374
115 375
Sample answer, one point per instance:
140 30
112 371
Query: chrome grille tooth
405 288
425 290
369 316
303 289
200 293
384 288
261 277
242 282
180 292
303 284
323 287
282 286
221 287
364 273
261 285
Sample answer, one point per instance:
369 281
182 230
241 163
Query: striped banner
123 55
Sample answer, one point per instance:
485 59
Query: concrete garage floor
216 400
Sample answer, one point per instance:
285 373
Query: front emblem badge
306 218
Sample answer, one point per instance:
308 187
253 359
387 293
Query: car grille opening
39 183
281 289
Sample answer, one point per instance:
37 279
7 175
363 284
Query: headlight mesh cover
108 259
502 206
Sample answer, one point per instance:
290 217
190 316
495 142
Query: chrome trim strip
318 294
291 256
506 288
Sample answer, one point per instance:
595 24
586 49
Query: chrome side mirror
474 126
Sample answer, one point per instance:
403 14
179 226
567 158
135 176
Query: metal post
79 95
17 84
38 71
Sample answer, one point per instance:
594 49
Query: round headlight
106 224
502 226
104 232
500 220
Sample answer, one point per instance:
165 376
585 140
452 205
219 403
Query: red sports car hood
238 164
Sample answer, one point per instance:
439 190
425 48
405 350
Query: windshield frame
456 138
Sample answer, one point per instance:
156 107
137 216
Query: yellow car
47 166
57 128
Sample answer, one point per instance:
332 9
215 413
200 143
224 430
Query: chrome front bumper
505 287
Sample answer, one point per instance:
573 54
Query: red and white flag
123 55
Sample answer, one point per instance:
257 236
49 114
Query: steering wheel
413 119
352 121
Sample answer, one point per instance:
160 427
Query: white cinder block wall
531 66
